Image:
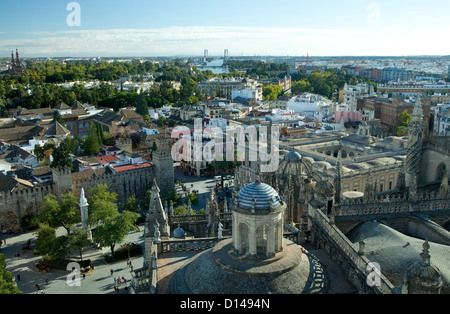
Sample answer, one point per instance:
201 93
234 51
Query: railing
381 206
346 247
200 218
198 244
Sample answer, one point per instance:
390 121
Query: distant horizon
154 28
218 56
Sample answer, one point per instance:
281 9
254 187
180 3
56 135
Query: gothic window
440 172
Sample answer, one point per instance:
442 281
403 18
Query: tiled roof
106 159
62 106
262 195
57 130
132 167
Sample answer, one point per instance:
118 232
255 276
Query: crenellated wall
125 184
17 204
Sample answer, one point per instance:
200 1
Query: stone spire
17 57
415 142
443 189
337 184
425 255
368 189
156 213
422 277
258 177
417 115
401 183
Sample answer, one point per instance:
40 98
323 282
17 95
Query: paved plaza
201 184
99 282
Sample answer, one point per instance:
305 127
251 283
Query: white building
310 105
442 118
254 94
354 92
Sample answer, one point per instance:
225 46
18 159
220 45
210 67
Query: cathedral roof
218 271
293 156
259 195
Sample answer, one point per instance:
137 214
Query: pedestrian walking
18 277
112 272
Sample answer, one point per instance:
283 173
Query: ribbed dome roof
263 196
293 156
178 232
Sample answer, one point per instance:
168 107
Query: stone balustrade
358 262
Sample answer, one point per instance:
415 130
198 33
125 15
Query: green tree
46 240
193 198
78 240
132 205
114 228
142 105
404 117
111 227
148 197
58 118
182 211
61 157
402 131
64 213
174 197
91 142
302 86
272 92
6 279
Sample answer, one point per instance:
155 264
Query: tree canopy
7 285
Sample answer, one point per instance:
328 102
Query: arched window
244 233
441 169
261 239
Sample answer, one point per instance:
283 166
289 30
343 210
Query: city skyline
284 28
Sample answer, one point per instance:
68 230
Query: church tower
18 58
415 141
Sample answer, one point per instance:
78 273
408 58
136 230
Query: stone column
252 240
270 250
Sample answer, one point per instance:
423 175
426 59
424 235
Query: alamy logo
374 276
374 17
74 17
214 144
73 279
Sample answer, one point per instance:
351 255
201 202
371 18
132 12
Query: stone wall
17 204
125 184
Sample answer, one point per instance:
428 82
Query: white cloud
394 40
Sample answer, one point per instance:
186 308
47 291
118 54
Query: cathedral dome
259 196
220 271
293 156
179 232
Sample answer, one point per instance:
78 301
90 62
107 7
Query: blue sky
245 27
